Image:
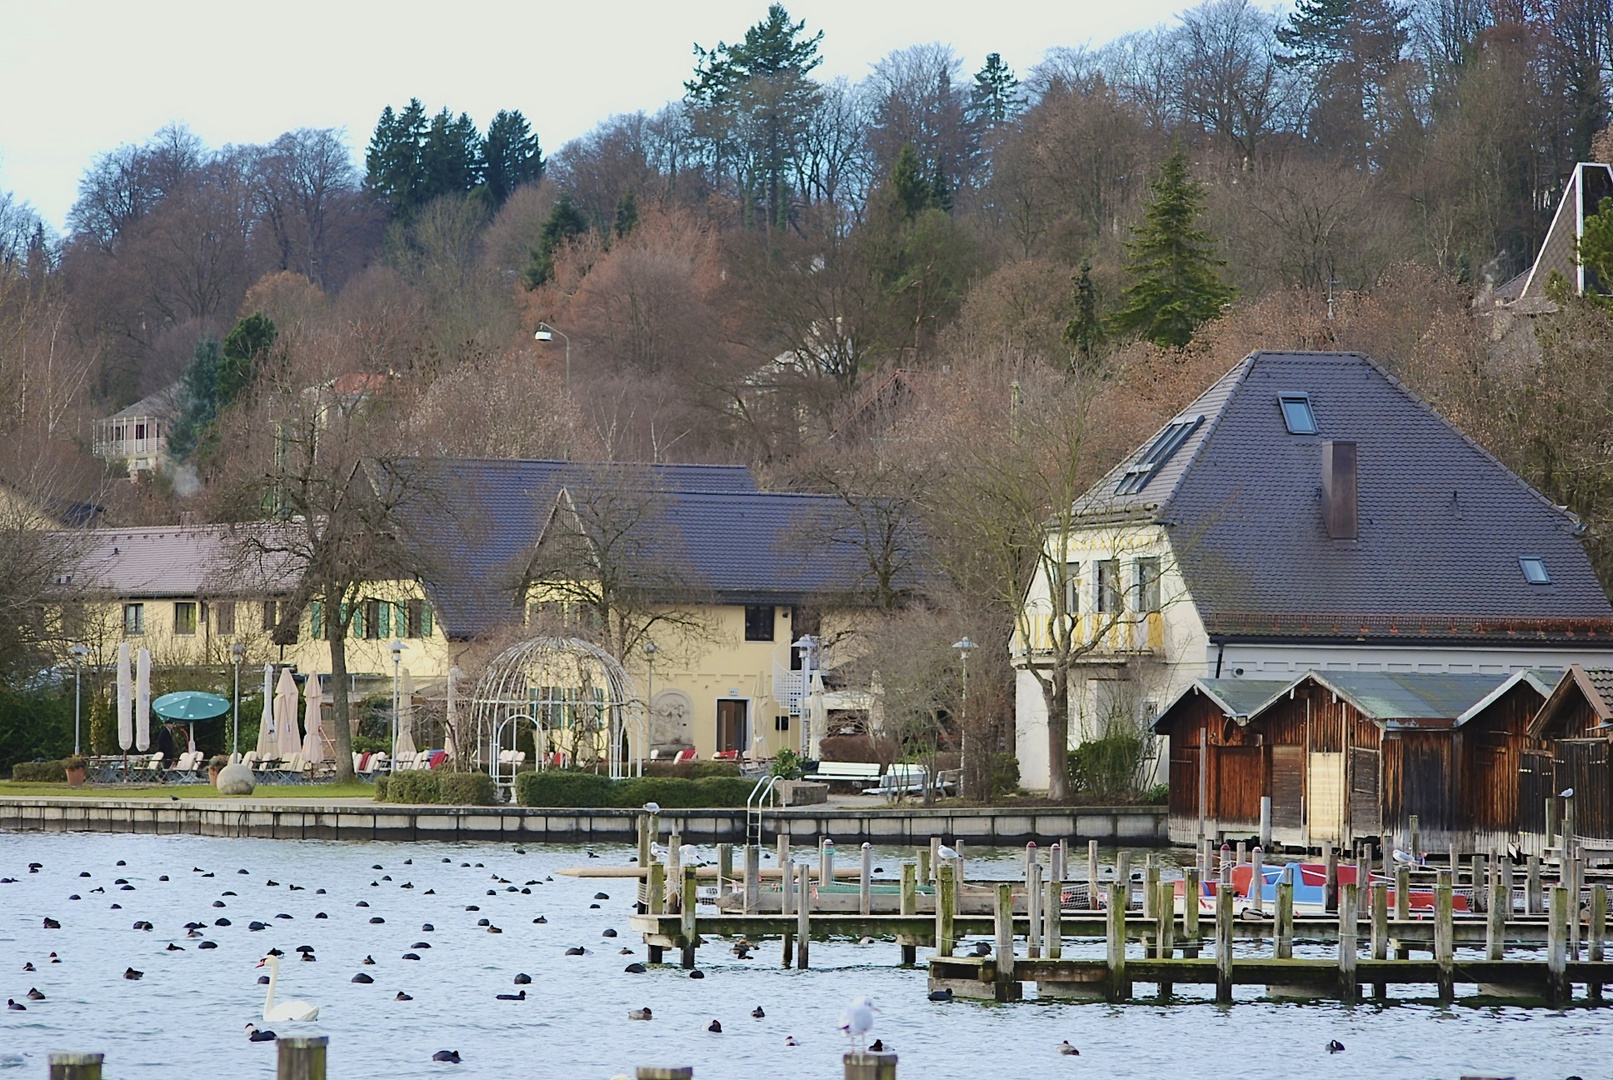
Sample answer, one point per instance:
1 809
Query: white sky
83 77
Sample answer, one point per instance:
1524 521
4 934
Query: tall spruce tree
994 98
564 222
392 162
1083 334
626 213
1175 284
511 156
450 156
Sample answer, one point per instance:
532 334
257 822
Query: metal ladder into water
762 793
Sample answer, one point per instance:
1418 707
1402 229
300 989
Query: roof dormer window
1534 569
1297 414
1153 459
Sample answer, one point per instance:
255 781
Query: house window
271 616
224 617
1297 414
1139 472
758 622
1147 584
1534 569
417 619
377 620
134 619
1108 598
1072 589
316 619
184 618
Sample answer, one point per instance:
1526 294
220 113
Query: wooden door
1324 783
1365 806
1287 786
732 730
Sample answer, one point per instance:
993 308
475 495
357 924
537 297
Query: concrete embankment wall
1126 825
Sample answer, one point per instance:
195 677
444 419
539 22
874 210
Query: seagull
1566 793
856 1020
947 852
1403 857
689 855
653 807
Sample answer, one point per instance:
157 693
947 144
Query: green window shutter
355 620
400 618
315 619
383 618
425 619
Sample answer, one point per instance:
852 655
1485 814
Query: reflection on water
185 1017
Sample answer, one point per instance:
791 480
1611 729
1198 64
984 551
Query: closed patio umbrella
315 748
142 701
125 699
452 727
288 739
405 713
266 743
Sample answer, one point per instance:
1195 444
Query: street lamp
546 332
809 649
396 648
237 653
79 653
964 647
650 649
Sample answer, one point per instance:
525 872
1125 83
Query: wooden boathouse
1574 731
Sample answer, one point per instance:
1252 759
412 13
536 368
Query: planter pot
75 777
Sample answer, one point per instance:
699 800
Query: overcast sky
83 77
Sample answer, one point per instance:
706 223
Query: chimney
1338 489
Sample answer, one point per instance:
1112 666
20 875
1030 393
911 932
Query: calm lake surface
185 1017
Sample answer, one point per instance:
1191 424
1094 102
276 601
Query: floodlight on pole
964 647
396 649
237 653
809 651
545 332
650 649
79 653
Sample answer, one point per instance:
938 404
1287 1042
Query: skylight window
1297 413
1534 569
1154 458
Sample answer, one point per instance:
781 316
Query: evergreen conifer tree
994 98
626 213
450 157
564 222
1083 334
1175 284
244 348
510 156
392 161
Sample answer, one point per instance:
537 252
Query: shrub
1004 778
467 789
39 772
700 770
421 786
561 788
1108 768
380 789
787 765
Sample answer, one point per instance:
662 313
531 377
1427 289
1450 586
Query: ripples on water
185 1017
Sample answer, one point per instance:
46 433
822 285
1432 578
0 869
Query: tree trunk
336 636
1056 692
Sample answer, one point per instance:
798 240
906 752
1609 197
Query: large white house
1307 512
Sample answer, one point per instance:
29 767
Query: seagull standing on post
856 1021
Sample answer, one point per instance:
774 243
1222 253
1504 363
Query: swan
286 1010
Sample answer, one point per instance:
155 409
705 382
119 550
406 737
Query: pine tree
510 155
1083 334
1347 49
199 387
450 157
392 162
1174 285
626 213
995 97
564 222
244 348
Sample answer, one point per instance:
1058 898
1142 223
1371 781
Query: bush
690 770
39 772
1108 768
561 788
35 723
437 787
787 765
412 787
467 789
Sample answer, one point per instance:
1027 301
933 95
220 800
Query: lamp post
237 653
809 650
650 649
964 647
396 648
79 653
545 332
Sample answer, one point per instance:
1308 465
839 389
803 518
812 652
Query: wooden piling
1507 884
946 899
686 911
803 915
1257 882
76 1066
1380 932
1002 917
1445 932
1191 889
1349 925
784 851
926 872
957 845
1402 906
1414 837
1532 890
1123 877
1265 821
1053 917
1223 946
664 1072
1598 934
1481 883
1554 819
1115 926
1330 883
1495 917
1285 918
674 870
753 879
1033 911
909 906
657 888
1165 920
1092 874
1557 988
869 1066
1242 853
725 869
643 853
935 859
865 881
302 1057
1150 889
1055 861
826 861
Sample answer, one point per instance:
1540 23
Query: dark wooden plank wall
1420 777
1493 766
1582 764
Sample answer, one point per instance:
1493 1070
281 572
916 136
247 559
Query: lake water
185 1017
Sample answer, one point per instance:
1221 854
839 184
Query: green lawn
355 790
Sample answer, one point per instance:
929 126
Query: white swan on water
286 1010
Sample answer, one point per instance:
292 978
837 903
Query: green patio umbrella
190 705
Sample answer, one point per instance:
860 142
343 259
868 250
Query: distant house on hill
1306 513
1525 294
137 436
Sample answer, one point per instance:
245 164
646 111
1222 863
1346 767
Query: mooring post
1257 880
826 862
1115 926
686 912
786 874
870 1066
1554 819
1285 916
1349 895
753 878
957 845
909 906
1532 896
1055 861
1481 883
1150 887
925 873
1123 878
1030 857
1380 932
1598 934
664 1072
302 1057
1508 884
1414 837
1092 874
1002 921
1557 947
643 844
865 881
725 868
1053 917
1330 881
1445 932
1495 917
1165 920
1242 853
674 869
1192 889
935 858
1402 906
1265 821
946 898
657 897
77 1066
803 915
784 852
1033 912
1223 945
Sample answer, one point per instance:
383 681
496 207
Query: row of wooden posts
303 1058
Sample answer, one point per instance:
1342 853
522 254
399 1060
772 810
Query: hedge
690 770
442 788
40 772
561 788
